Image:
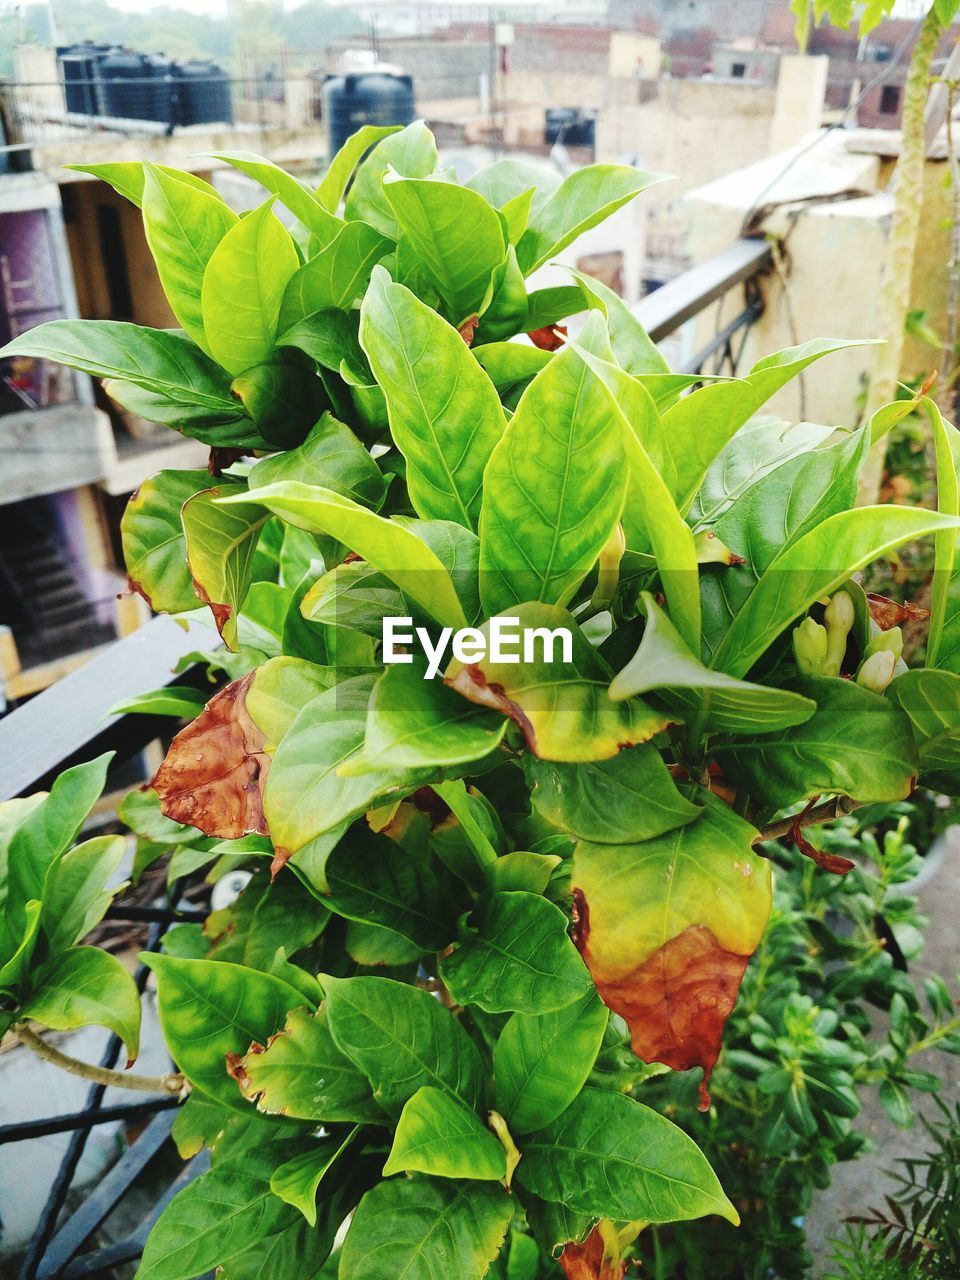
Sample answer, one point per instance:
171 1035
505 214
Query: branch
172 1082
826 812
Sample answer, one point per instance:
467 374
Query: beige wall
633 55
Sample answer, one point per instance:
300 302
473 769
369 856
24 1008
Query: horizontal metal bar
130 1249
104 1198
68 722
28 1129
664 311
154 915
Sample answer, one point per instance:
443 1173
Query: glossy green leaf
220 545
298 198
542 1061
857 743
126 177
562 707
517 957
353 595
298 1180
413 723
700 425
412 153
302 1074
280 689
610 1156
331 456
506 313
632 346
812 567
76 893
154 545
210 1008
931 700
627 798
335 181
506 180
510 364
444 413
183 227
539 540
387 545
521 870
440 1135
946 439
584 198
708 700
86 987
402 1038
375 880
336 276
18 940
458 238
179 701
243 285
421 1225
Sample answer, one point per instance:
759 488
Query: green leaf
193 393
699 426
220 545
547 307
612 1157
402 1038
507 180
562 707
388 546
335 181
584 198
708 699
542 1061
183 228
126 177
298 1180
45 833
634 351
331 456
517 957
353 595
18 940
307 802
506 313
627 798
857 743
424 1226
302 1074
445 416
243 285
374 880
412 153
538 541
298 198
812 567
281 687
336 276
650 510
931 700
154 545
458 238
529 872
209 1008
946 440
440 1135
86 987
75 894
416 723
179 701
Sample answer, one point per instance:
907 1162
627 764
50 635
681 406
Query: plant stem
894 299
950 336
825 812
172 1082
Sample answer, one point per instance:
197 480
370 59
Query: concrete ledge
49 450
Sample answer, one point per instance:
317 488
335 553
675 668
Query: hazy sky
903 8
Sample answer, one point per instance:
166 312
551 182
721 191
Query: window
889 100
738 70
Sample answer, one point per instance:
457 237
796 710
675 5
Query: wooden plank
68 722
664 311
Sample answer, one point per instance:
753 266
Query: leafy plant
396 1017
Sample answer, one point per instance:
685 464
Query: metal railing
69 723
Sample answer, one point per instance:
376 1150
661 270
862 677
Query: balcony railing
70 722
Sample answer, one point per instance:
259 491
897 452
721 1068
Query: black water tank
78 67
571 126
136 86
203 93
368 97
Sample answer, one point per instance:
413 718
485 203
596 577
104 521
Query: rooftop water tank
136 86
203 93
78 66
369 97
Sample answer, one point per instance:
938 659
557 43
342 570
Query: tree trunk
894 300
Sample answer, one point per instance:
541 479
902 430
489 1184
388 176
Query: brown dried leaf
888 613
550 338
591 1260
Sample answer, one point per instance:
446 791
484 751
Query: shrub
381 449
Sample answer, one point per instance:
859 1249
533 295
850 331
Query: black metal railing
69 723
